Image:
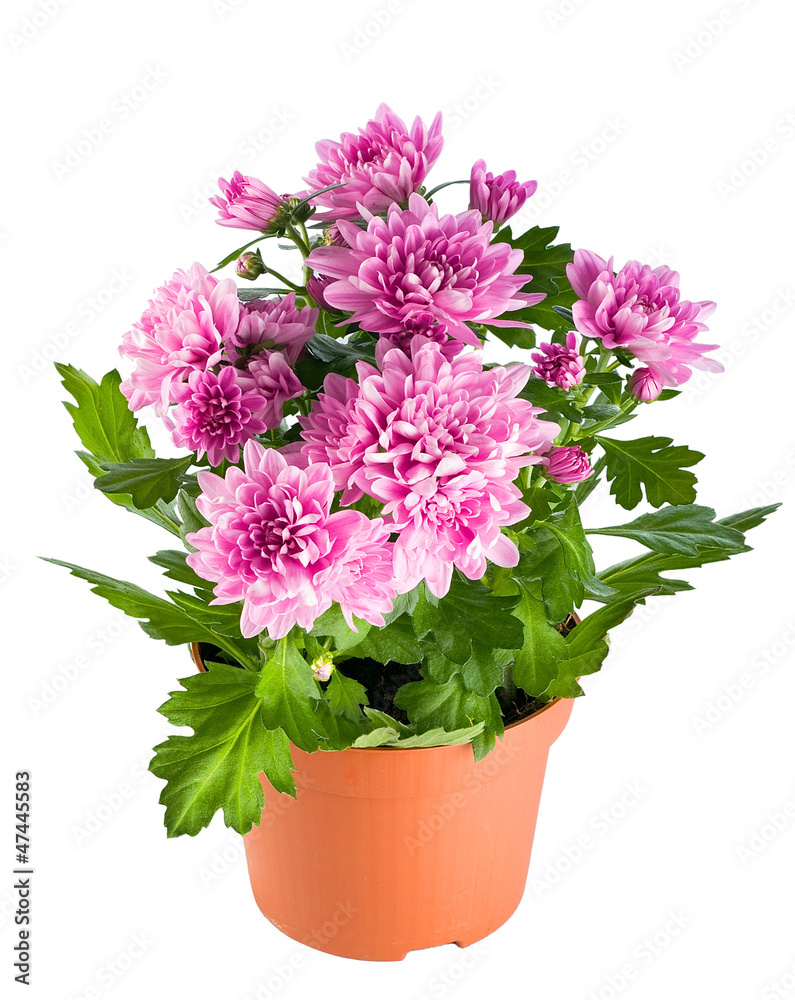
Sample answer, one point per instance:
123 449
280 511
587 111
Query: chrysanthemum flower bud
250 266
323 667
645 385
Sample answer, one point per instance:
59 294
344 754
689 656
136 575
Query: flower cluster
439 443
442 450
218 372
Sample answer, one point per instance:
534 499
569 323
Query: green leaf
519 337
685 529
162 619
338 353
555 401
346 696
403 604
546 262
538 662
557 563
103 421
587 486
218 766
190 518
641 578
394 643
610 384
387 736
223 618
377 719
176 568
451 707
468 610
332 622
748 519
110 433
383 736
147 480
642 575
482 672
587 647
336 731
601 411
288 690
655 464
542 499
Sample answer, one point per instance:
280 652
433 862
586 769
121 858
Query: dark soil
383 682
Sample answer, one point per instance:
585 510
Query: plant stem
281 277
235 652
439 187
625 407
297 238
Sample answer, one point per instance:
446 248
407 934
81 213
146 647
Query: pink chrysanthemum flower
558 365
247 203
216 414
273 543
497 198
181 331
419 328
439 442
414 262
316 286
276 382
639 310
645 385
268 323
383 164
567 464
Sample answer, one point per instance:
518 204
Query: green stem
604 357
165 520
295 236
236 253
625 407
281 277
235 652
439 187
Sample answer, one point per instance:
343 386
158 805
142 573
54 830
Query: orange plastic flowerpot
384 851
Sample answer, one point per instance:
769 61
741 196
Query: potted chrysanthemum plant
377 550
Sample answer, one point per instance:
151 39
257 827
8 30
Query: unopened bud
250 265
323 667
645 385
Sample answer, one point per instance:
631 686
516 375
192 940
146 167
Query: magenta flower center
216 412
277 529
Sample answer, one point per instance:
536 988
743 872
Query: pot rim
199 662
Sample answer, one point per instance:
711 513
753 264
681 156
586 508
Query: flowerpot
385 851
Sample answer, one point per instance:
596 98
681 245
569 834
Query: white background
635 118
